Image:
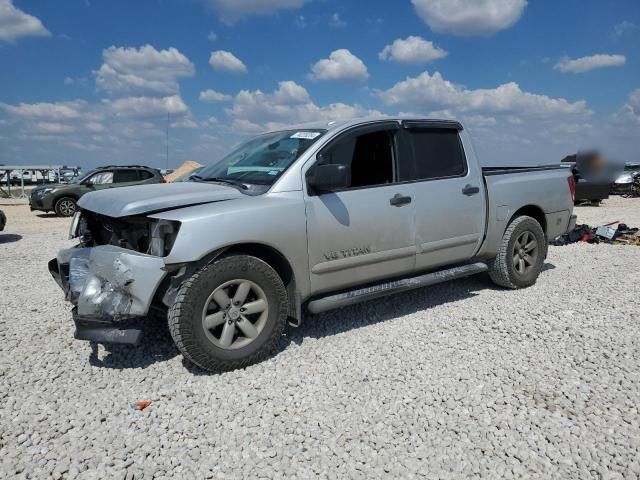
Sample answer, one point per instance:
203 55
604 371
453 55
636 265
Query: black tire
503 270
65 206
186 314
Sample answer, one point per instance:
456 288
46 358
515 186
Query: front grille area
132 233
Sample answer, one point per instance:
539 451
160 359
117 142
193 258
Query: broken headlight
75 222
162 234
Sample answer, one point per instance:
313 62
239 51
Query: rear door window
129 175
145 174
437 153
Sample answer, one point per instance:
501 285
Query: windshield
261 160
82 178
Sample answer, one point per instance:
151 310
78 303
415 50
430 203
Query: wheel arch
268 254
60 196
534 212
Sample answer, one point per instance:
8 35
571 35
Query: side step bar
352 297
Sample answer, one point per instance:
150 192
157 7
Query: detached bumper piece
110 302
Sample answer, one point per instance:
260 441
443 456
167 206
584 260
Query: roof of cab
332 125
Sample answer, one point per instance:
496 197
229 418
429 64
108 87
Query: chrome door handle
398 200
469 190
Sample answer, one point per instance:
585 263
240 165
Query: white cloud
336 22
629 114
49 111
470 17
213 96
433 91
254 111
14 23
341 65
622 28
585 64
143 70
230 11
224 61
147 107
412 50
212 36
54 127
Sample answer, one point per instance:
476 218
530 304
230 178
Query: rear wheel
65 206
229 314
521 255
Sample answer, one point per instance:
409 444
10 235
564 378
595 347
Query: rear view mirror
330 177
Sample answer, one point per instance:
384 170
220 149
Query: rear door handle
469 190
398 200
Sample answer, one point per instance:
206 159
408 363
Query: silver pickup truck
304 220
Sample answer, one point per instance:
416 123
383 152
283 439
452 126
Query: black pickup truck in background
587 189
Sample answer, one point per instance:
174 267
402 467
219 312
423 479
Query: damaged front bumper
111 289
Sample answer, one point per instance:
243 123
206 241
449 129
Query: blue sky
90 82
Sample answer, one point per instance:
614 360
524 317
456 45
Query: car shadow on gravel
393 306
386 308
46 215
9 237
156 345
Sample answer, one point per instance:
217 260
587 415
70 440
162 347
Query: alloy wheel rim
525 253
235 314
67 207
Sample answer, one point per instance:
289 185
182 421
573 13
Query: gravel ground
458 380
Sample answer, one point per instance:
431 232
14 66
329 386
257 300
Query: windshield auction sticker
306 135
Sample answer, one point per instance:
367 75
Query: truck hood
126 201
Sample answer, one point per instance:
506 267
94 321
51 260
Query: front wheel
230 314
521 254
65 207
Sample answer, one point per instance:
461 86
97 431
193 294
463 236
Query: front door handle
469 190
398 200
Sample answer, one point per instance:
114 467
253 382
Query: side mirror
330 177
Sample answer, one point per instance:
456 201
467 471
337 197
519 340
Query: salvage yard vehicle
62 198
626 183
587 189
304 220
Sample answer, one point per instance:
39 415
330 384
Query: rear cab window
437 153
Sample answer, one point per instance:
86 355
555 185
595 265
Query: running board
352 297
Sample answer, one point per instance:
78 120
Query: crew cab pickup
304 220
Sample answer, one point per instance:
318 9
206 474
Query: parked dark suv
62 198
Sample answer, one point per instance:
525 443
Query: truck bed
542 191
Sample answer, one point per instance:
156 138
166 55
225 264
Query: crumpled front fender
108 282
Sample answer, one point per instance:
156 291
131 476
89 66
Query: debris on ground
622 235
142 404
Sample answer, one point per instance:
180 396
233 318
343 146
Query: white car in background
624 183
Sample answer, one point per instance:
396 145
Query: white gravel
455 381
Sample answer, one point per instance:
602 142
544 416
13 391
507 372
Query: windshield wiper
228 181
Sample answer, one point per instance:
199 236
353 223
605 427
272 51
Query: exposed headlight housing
75 223
162 235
